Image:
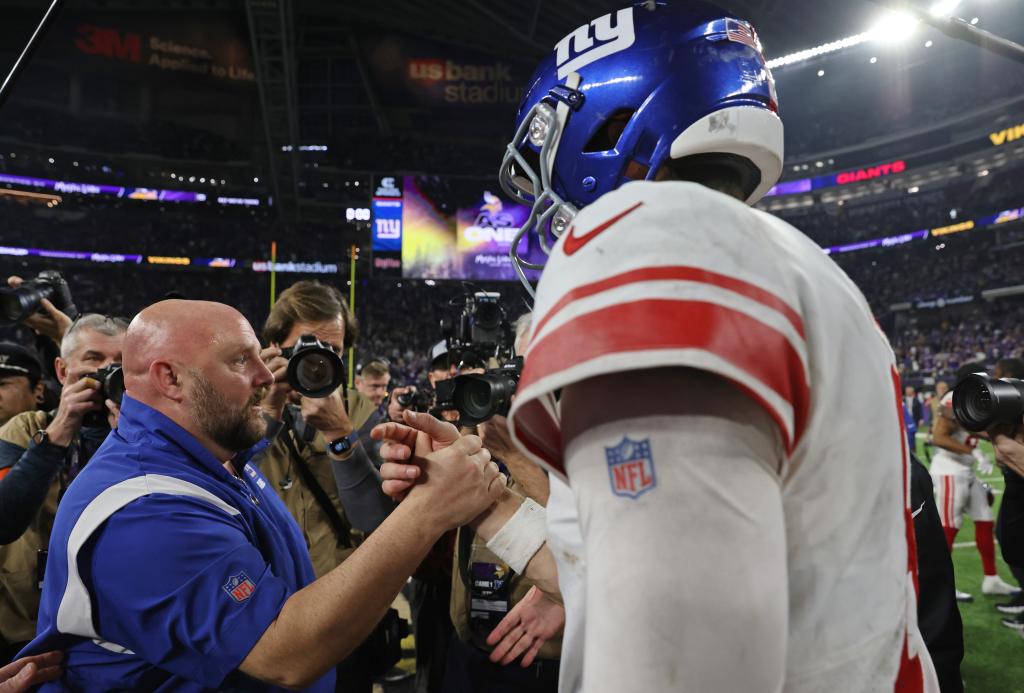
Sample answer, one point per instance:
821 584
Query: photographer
1010 522
315 462
21 382
498 614
41 453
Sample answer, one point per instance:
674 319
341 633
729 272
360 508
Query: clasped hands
418 448
428 457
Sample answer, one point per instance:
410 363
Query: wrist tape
521 537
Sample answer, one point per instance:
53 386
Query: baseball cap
16 359
438 356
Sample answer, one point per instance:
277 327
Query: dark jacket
937 614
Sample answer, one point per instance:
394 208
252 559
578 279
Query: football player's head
660 90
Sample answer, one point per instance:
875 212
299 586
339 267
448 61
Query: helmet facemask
550 215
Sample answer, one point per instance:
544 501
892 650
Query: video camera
416 400
314 368
111 380
20 302
481 328
480 396
981 401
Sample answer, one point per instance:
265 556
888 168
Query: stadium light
873 60
823 49
974 21
929 43
894 27
821 73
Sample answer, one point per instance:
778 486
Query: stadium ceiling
536 25
531 25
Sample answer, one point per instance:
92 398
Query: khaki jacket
459 610
19 591
325 550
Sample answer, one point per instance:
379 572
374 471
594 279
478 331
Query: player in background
701 375
958 491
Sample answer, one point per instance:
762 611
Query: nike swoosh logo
573 242
918 511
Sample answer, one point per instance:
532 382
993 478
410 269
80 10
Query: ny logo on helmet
580 48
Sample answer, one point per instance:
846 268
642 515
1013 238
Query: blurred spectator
21 381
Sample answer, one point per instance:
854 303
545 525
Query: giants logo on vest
631 467
239 587
612 39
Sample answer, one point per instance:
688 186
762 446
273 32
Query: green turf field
994 655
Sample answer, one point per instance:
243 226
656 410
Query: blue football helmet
631 90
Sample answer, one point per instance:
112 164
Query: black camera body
314 368
111 380
20 302
981 401
480 396
416 400
482 326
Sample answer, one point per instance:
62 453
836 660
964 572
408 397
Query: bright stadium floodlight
894 26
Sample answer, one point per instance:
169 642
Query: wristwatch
41 438
343 445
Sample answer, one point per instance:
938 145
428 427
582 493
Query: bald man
173 566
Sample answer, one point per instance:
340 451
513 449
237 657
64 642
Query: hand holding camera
314 371
77 400
43 304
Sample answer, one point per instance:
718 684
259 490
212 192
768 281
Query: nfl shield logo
239 587
631 467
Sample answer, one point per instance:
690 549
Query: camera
20 302
980 401
481 327
314 369
480 396
111 380
416 400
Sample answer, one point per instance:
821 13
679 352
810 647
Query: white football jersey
949 462
674 274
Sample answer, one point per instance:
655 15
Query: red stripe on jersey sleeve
751 346
678 273
540 434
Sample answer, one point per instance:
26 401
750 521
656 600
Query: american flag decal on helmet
741 32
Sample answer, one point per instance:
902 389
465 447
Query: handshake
429 463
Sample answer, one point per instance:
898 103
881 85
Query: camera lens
474 399
979 401
314 370
19 303
481 397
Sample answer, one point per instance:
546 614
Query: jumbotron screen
458 229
